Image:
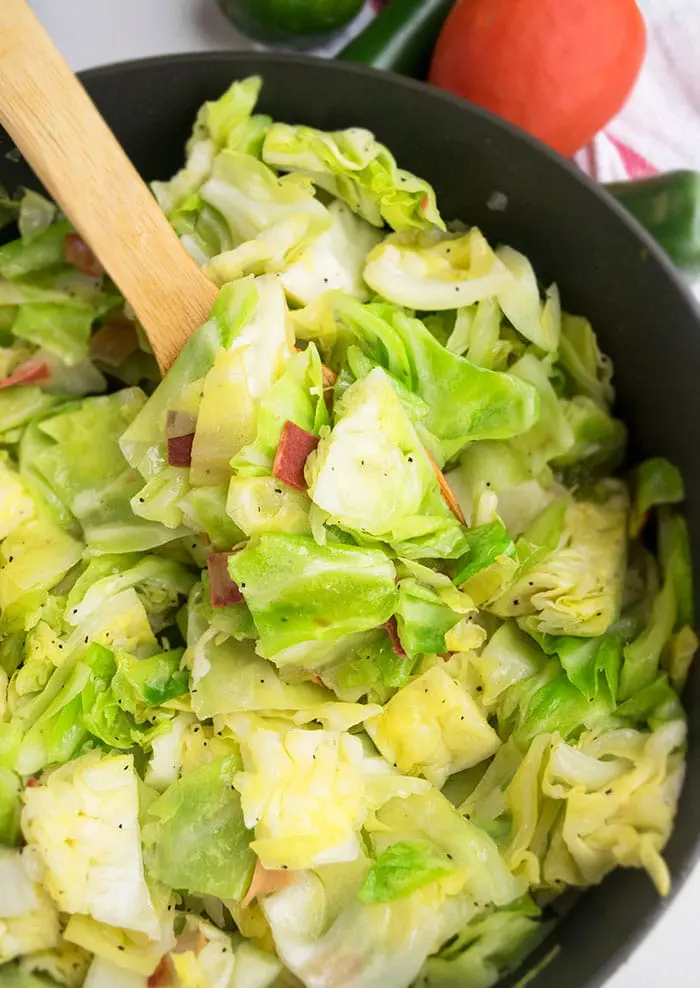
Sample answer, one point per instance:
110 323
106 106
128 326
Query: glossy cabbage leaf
197 839
373 946
486 949
655 482
353 166
334 261
28 917
299 591
83 822
462 402
423 618
372 476
433 727
577 588
434 271
403 868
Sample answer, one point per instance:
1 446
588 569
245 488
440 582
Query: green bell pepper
401 37
668 206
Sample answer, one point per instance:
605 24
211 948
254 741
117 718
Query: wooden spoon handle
62 136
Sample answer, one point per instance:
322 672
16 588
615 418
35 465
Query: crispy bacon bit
27 373
329 377
77 253
32 783
393 630
180 450
447 493
222 590
162 975
292 453
265 882
114 342
316 680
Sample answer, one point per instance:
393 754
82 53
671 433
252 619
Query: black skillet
486 172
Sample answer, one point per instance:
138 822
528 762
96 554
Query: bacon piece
162 975
294 448
180 450
32 783
114 342
264 882
448 494
29 372
329 377
77 253
393 630
222 590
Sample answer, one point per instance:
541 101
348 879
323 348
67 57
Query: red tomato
560 69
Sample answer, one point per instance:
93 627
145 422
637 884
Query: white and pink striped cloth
659 128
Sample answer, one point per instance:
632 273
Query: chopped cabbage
353 166
620 797
313 813
28 917
84 823
434 728
538 322
371 475
577 589
381 945
103 974
299 591
119 948
459 401
656 482
334 262
66 964
429 270
490 946
249 198
197 840
297 396
430 816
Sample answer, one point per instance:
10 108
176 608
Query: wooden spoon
64 139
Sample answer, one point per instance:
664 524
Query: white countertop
94 32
